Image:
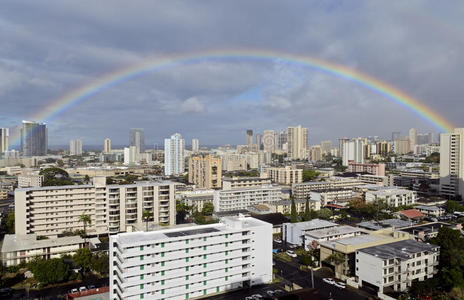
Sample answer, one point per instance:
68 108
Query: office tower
269 140
137 139
107 146
249 138
75 147
130 155
452 163
341 143
396 135
412 139
191 262
4 134
282 140
325 147
174 163
297 139
205 172
112 208
353 151
259 141
34 139
195 145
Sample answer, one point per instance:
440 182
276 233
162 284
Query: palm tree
146 217
85 219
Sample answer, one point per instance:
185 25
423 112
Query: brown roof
412 213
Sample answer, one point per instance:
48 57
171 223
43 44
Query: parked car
270 293
82 289
257 296
74 290
91 287
328 281
339 284
249 298
291 253
278 241
278 292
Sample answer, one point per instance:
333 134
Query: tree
146 215
10 222
452 206
100 263
293 212
86 220
325 213
309 175
86 179
83 258
307 259
208 209
433 158
307 213
49 270
55 176
60 163
182 211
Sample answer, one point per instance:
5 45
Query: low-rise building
18 249
196 198
396 265
392 197
374 179
30 180
294 233
314 237
231 183
285 206
374 169
302 190
431 211
285 175
190 262
325 197
229 200
3 194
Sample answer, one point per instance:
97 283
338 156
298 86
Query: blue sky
51 47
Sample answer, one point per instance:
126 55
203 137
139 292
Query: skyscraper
195 145
34 139
269 140
297 139
412 139
325 147
259 141
396 135
452 163
353 150
174 163
75 147
282 139
137 139
107 146
249 138
4 134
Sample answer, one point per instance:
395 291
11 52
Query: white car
278 241
74 291
328 281
270 293
82 289
257 296
340 285
291 253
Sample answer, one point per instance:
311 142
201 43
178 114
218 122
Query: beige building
30 181
315 153
3 194
205 171
285 175
297 140
452 163
107 146
50 211
230 183
302 190
401 147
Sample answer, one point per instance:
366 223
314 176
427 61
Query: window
162 273
162 292
227 235
162 245
186 259
187 241
141 268
186 250
141 296
186 277
141 257
141 248
227 270
204 265
227 252
141 286
204 274
227 261
141 277
162 254
162 263
204 282
204 256
217 289
204 292
186 286
227 278
204 247
204 239
227 244
186 268
162 282
186 296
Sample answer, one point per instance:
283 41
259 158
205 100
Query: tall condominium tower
269 140
249 138
137 139
75 147
259 141
353 151
297 139
174 163
34 139
195 145
412 139
107 146
205 171
282 139
452 163
4 134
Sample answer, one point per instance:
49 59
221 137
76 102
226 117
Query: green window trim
227 235
227 270
204 247
162 273
204 256
227 244
186 250
186 259
204 265
162 245
204 292
141 248
227 261
204 239
141 267
141 277
187 286
141 257
162 254
217 289
162 263
162 282
227 278
186 268
141 286
186 277
204 282
141 296
204 274
186 242
162 292
227 252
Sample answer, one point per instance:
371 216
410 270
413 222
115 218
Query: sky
49 48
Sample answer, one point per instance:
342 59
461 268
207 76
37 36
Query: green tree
182 211
60 163
306 259
49 271
325 214
10 222
452 206
83 258
293 212
146 215
86 220
309 175
208 209
433 158
307 212
55 176
100 263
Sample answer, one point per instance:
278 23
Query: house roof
412 213
274 218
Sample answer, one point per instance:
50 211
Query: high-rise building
259 141
452 163
396 135
412 139
341 145
325 147
34 139
315 153
282 140
191 262
401 146
297 139
107 146
269 140
205 172
130 155
137 139
75 147
353 151
4 134
195 145
249 138
174 163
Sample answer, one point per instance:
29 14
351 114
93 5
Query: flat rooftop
426 228
13 242
401 249
313 224
376 225
86 186
334 231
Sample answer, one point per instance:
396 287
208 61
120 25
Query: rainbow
109 80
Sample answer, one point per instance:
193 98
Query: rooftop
334 231
13 242
401 249
313 224
411 213
86 186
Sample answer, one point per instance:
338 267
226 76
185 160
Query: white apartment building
396 265
237 199
452 163
229 183
353 151
191 262
293 233
174 162
4 134
331 195
196 198
107 146
30 180
297 142
17 249
285 175
52 210
269 140
392 196
130 155
302 190
195 145
75 147
314 237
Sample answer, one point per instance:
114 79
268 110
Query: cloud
192 105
